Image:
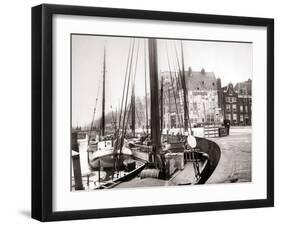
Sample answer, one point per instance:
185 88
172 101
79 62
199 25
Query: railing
211 130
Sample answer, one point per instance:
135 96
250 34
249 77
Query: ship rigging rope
178 84
172 81
177 81
125 80
138 114
195 163
138 117
113 119
126 97
145 87
186 100
95 107
124 128
126 86
134 78
181 75
127 121
193 154
133 105
123 91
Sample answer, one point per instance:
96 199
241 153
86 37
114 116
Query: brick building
236 103
244 91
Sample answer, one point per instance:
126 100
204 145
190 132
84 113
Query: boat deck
235 163
181 177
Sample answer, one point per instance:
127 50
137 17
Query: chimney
189 71
202 71
218 83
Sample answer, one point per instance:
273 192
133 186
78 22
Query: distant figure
226 123
179 136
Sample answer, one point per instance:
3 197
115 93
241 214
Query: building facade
202 98
230 104
244 92
208 102
236 103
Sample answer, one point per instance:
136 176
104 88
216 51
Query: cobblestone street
235 163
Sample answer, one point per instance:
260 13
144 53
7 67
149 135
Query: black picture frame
42 107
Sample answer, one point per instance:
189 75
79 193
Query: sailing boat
110 153
102 149
176 152
159 155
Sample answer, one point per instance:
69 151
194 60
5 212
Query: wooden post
78 184
113 170
99 171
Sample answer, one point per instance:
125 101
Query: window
228 116
230 99
227 99
241 108
213 84
241 118
234 107
234 117
227 106
195 106
246 108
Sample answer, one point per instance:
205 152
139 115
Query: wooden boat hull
107 161
208 153
106 158
127 177
213 153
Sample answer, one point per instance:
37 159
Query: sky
232 62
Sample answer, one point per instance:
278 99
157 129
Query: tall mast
133 111
133 98
103 96
169 109
161 106
145 87
185 93
155 122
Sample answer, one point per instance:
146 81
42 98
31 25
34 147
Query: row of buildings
208 101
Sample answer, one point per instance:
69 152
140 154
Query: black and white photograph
147 112
159 112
